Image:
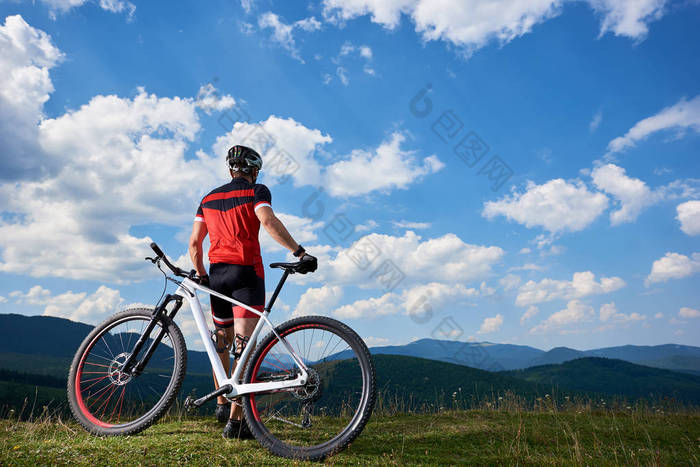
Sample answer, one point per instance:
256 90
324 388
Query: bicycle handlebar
159 253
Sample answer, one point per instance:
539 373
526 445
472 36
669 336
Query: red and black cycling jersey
229 213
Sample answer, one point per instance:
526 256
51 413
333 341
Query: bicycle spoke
107 345
122 341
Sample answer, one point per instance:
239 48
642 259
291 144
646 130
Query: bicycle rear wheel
106 401
327 413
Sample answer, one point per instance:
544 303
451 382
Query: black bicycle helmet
243 159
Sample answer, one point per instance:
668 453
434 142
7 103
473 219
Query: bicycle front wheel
106 401
327 413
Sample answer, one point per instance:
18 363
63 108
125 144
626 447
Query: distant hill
676 363
482 355
497 357
44 335
556 355
614 377
56 340
59 338
676 357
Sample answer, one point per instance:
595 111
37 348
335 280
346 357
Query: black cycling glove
307 263
204 280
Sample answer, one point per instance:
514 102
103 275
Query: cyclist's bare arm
275 228
199 231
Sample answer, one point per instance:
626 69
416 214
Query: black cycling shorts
239 282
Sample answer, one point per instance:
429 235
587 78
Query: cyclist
232 215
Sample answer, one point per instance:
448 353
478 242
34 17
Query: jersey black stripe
228 203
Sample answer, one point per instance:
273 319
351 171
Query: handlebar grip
157 250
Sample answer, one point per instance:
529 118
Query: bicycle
303 398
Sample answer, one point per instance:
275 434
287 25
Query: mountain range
36 351
497 357
60 337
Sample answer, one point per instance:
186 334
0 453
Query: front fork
135 367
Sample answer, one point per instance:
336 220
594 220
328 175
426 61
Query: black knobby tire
361 415
176 345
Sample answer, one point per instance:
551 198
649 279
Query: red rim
79 394
259 361
109 390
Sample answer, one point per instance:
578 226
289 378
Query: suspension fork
134 367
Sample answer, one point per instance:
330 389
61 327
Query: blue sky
115 118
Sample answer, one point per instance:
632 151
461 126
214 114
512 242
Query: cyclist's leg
222 314
244 320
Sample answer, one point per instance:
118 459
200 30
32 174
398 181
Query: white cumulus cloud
446 258
209 99
491 324
556 206
575 312
673 266
689 217
609 313
420 301
26 56
110 149
632 194
581 285
318 301
387 167
468 25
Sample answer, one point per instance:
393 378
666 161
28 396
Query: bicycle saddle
291 267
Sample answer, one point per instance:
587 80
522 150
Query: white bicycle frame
187 289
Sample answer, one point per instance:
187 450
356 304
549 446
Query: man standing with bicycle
232 215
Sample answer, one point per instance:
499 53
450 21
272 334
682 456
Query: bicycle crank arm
193 404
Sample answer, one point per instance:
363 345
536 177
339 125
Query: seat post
277 290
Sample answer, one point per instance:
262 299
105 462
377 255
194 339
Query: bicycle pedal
189 404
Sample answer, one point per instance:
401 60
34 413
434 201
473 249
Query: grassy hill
410 384
483 437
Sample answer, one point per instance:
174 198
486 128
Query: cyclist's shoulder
220 189
262 192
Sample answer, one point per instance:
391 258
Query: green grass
574 436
